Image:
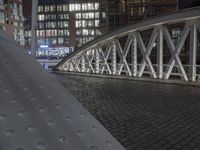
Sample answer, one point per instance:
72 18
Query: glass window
96 6
52 8
59 8
96 23
90 6
90 23
66 16
97 15
78 24
75 7
40 17
78 15
46 8
60 40
65 23
65 7
2 17
40 9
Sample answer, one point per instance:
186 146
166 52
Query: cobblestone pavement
142 116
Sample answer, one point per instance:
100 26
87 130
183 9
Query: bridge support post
160 53
114 58
82 63
134 55
97 60
193 51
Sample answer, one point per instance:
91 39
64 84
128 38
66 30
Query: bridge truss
161 48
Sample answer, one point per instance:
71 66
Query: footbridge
164 47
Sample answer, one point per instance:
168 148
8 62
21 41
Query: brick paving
141 116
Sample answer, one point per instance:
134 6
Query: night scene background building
65 25
12 20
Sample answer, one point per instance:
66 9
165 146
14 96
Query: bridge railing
162 48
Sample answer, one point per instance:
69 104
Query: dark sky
27 5
185 3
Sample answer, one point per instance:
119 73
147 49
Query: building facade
128 11
11 19
64 25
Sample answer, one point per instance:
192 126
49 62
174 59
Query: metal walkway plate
36 112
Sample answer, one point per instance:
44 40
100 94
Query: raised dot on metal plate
68 118
94 128
30 128
82 114
58 106
13 100
3 116
93 147
41 145
41 86
21 113
70 102
10 132
25 88
32 98
50 122
6 90
108 142
41 109
49 96
19 148
62 138
79 132
1 80
19 80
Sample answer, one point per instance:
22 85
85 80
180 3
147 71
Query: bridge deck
142 116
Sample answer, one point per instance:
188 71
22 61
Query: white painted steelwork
133 49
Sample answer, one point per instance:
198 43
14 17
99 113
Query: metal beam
160 53
193 52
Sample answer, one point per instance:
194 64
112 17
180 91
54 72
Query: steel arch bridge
162 47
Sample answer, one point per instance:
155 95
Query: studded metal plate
36 112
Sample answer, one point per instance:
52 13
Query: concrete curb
175 82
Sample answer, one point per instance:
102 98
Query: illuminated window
78 24
90 23
66 16
103 15
47 8
60 40
59 8
74 7
65 24
78 15
40 9
40 17
97 15
96 23
65 7
66 32
90 6
52 8
96 6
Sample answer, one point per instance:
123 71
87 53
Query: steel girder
138 50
